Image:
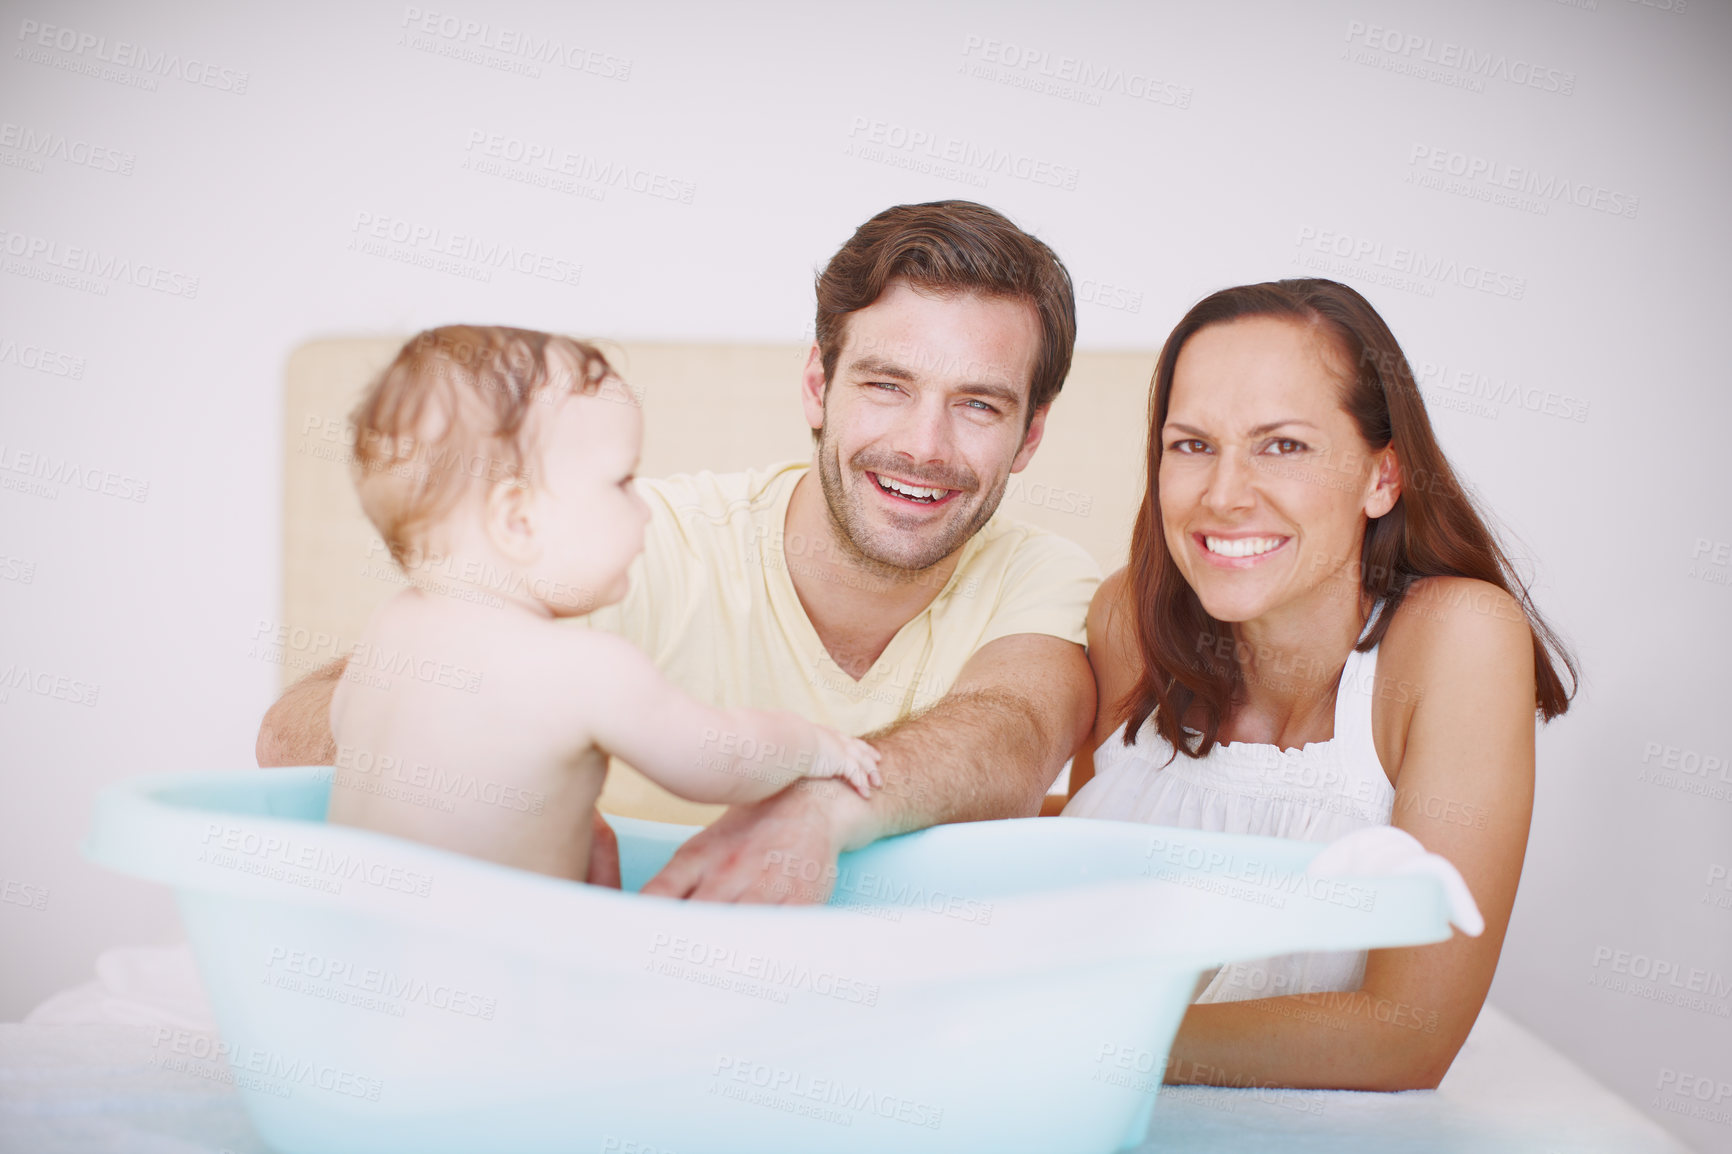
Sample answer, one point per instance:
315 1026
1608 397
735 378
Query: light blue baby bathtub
996 987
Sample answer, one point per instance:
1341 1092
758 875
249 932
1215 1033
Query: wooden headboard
706 406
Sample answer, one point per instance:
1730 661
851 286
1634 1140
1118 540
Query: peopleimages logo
1068 77
972 162
1264 882
43 683
1661 979
43 144
41 359
17 569
1416 48
303 863
791 1089
1401 266
413 242
51 471
1484 178
445 784
1711 561
86 46
312 973
493 154
24 894
1686 770
1693 1095
696 958
1462 388
76 263
514 45
280 1072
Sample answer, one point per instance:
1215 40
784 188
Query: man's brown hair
945 247
454 409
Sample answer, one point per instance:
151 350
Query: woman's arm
1457 663
1116 662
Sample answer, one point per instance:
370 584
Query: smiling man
872 588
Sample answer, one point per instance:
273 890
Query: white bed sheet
107 1067
1507 1092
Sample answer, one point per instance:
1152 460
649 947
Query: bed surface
84 1089
113 1065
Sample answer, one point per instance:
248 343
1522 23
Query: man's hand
779 851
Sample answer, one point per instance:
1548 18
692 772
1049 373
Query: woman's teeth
912 492
1242 546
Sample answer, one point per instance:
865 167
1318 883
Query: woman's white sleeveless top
1319 792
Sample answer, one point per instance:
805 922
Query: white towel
134 986
1384 851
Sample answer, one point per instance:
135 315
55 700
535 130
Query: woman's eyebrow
1270 427
1273 425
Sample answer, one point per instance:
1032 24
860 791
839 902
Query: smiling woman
1317 633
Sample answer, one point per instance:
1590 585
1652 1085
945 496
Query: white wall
1274 128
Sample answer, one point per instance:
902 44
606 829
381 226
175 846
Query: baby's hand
846 757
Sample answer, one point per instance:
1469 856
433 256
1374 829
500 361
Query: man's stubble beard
853 535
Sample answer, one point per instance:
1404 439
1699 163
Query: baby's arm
698 751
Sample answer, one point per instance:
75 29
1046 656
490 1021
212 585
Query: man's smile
909 493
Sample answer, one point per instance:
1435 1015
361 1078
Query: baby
497 465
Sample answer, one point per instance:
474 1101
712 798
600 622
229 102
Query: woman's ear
510 518
1387 488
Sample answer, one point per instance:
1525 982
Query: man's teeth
913 491
1242 546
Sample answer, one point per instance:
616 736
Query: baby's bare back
455 727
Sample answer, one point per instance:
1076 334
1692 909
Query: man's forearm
990 749
971 757
297 729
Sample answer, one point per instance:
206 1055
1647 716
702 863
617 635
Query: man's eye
982 406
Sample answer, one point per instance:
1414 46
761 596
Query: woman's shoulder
1114 652
1111 623
1457 626
1458 652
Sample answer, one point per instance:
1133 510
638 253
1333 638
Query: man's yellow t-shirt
712 602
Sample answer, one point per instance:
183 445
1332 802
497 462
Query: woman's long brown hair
1434 530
